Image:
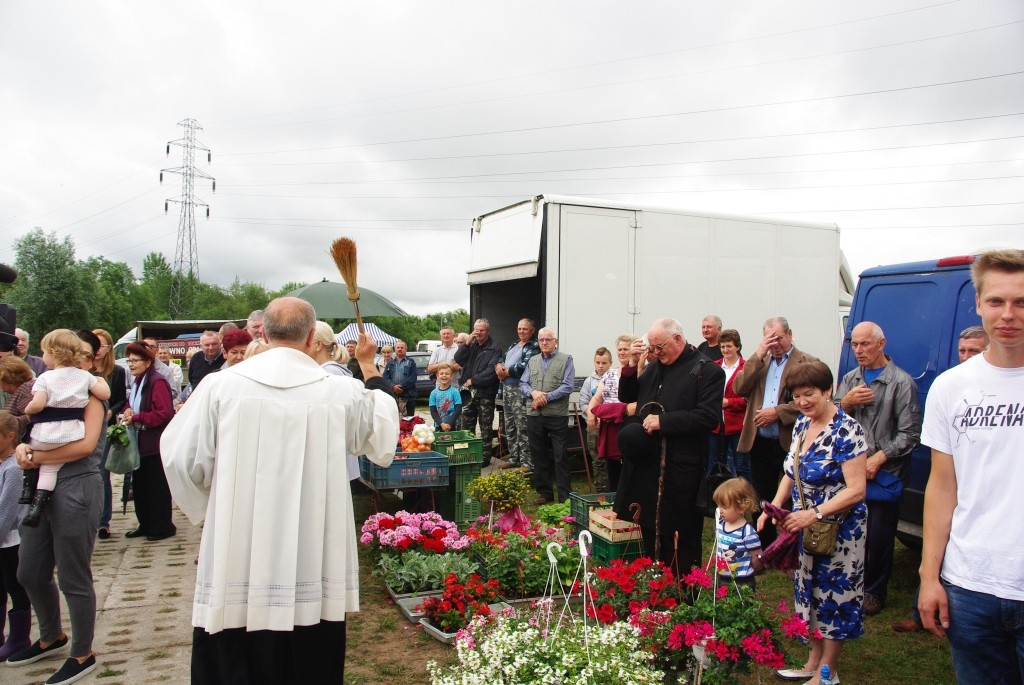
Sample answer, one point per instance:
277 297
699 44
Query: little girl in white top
65 390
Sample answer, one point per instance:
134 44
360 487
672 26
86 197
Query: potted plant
403 532
411 576
720 631
623 588
444 615
520 563
505 491
523 647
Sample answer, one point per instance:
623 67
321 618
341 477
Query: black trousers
312 655
883 518
152 497
766 459
548 437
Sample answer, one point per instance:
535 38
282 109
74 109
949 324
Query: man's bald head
289 320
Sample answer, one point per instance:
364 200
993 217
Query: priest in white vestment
257 454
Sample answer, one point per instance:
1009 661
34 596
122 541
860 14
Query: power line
610 84
653 192
546 72
644 117
889 209
475 178
603 148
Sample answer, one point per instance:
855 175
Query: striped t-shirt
735 548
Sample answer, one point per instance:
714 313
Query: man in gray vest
546 385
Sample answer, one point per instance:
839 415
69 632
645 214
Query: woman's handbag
124 449
819 538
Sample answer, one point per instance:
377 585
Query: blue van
922 307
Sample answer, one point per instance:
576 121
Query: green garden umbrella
330 300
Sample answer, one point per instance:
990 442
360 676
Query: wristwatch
817 512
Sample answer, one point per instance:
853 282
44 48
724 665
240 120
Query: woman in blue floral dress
828 591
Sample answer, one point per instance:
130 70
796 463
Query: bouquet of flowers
522 648
506 489
404 531
723 630
624 588
460 602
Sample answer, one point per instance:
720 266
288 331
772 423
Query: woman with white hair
331 356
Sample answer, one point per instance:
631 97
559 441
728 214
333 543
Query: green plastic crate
626 550
408 470
460 476
458 507
461 447
580 506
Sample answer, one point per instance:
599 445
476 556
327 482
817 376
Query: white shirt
975 412
258 453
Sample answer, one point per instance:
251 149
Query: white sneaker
794 674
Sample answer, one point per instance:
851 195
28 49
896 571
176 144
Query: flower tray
461 447
411 606
605 524
580 506
408 470
449 638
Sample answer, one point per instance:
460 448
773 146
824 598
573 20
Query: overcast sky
396 123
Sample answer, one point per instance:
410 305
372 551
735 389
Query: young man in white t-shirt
972 565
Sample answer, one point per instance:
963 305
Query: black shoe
34 652
137 533
72 671
38 502
162 536
103 533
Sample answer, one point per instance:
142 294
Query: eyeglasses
660 346
546 339
135 361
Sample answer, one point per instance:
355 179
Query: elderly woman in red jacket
726 437
149 409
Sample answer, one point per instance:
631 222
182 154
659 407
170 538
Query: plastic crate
460 476
626 550
580 506
461 447
408 470
459 508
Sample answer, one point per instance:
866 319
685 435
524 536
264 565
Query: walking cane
661 478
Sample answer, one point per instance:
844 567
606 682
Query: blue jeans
986 637
738 462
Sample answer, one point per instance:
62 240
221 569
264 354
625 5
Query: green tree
116 304
247 297
52 290
155 289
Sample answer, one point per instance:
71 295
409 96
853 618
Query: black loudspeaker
8 322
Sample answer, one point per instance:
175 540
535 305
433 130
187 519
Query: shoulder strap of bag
799 484
796 468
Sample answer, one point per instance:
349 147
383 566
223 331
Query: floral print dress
829 591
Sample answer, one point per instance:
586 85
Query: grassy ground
384 648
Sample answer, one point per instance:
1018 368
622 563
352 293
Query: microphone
7 274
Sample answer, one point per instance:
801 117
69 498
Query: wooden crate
605 524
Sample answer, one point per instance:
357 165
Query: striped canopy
351 332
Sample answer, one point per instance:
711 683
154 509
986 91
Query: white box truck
594 269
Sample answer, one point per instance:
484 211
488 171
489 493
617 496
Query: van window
966 316
908 308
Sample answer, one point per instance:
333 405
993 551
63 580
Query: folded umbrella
782 554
